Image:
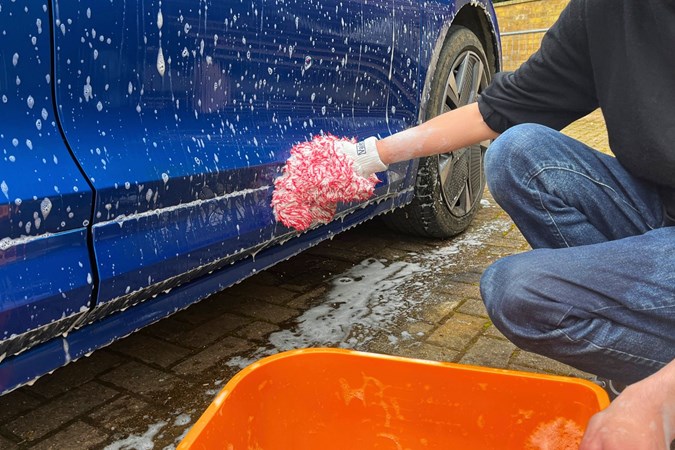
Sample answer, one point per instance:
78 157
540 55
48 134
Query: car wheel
449 186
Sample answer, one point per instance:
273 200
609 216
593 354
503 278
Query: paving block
458 290
257 330
208 308
494 332
266 277
504 243
305 301
15 403
271 294
496 252
458 331
141 379
368 244
515 235
489 352
211 331
472 278
121 412
75 374
79 436
7 445
436 312
212 355
333 266
268 312
473 307
429 352
308 280
333 251
60 410
419 330
411 244
168 327
295 266
150 350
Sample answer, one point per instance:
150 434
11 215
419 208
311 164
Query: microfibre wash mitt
317 175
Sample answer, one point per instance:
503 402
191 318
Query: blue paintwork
198 104
45 202
181 149
50 280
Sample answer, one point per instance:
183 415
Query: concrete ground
368 289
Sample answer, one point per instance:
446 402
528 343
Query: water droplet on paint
161 67
45 207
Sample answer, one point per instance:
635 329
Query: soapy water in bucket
558 434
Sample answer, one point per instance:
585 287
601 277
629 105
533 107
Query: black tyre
449 187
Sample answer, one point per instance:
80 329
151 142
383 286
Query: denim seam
558 232
651 308
552 221
564 316
612 350
592 180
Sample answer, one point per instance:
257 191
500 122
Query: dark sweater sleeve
554 87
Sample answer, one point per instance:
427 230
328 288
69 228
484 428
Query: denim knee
505 289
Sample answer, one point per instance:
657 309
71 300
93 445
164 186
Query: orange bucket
341 399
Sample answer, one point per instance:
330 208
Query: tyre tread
426 215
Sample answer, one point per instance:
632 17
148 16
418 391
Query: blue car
141 139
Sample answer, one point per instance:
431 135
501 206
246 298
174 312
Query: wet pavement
368 289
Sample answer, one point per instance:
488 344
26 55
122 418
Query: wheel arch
478 19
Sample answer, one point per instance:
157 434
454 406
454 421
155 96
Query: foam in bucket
316 177
558 434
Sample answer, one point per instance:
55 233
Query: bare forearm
448 132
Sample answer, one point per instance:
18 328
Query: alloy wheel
461 171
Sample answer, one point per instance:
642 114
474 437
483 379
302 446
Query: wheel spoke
478 74
459 201
451 96
465 78
445 163
468 198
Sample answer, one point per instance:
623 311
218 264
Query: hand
642 417
364 154
321 173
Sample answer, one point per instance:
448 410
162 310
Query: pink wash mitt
317 176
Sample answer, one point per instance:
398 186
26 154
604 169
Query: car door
46 277
182 112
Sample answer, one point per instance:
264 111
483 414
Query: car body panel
181 115
180 121
45 202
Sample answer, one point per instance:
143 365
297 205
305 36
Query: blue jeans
597 291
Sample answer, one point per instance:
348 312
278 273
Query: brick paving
151 386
